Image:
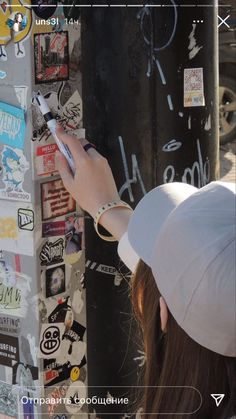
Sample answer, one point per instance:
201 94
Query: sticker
73 349
3 74
21 95
13 298
74 238
12 237
5 32
12 126
17 29
24 375
71 114
27 350
51 57
25 219
52 252
74 374
17 21
72 354
9 324
45 160
8 228
8 400
62 313
75 392
193 87
9 349
56 394
77 302
15 166
55 281
50 340
56 201
44 8
53 228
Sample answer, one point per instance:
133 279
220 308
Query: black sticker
55 281
9 350
52 252
62 311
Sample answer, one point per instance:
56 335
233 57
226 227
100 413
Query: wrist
116 221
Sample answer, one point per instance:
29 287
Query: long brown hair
174 359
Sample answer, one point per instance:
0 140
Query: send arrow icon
218 398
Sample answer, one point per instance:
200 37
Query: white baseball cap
187 236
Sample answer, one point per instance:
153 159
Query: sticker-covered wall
42 288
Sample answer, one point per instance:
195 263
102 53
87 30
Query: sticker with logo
25 219
10 324
50 340
52 252
9 349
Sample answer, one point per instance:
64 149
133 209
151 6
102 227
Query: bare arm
93 184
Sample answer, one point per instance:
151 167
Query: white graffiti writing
197 175
136 175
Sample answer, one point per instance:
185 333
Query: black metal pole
155 118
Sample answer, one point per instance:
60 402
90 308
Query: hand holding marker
51 123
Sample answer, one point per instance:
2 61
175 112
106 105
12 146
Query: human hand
93 184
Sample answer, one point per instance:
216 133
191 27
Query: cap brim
151 213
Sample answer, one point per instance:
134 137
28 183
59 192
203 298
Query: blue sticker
2 74
12 126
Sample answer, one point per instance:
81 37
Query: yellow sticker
74 374
8 228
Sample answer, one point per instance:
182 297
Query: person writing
179 242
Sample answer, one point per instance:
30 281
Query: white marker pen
51 123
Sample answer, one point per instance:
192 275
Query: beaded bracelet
101 211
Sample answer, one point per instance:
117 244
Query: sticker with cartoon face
50 340
14 167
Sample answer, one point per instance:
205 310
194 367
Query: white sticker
16 228
15 166
50 340
193 87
